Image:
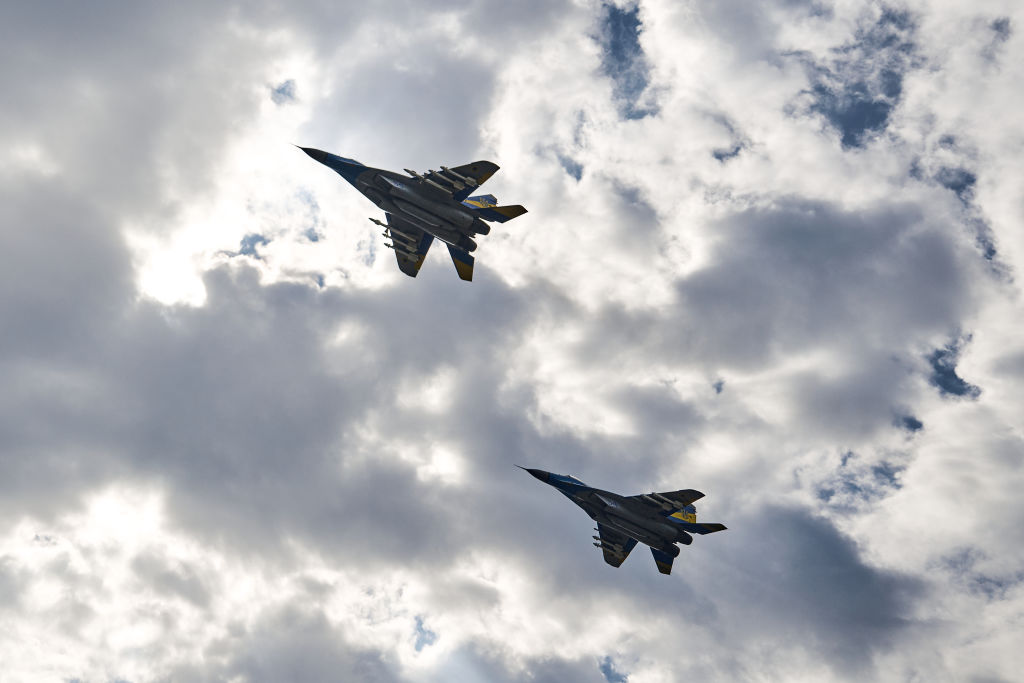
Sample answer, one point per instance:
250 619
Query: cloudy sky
773 253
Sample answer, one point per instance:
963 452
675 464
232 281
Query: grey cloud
96 89
812 587
801 274
1002 30
290 643
10 584
166 578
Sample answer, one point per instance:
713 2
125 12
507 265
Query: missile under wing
420 208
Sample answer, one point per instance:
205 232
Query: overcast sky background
773 253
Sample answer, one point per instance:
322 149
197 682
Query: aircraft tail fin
663 560
463 263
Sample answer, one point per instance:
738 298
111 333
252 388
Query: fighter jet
421 207
659 520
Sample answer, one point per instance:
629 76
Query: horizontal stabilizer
501 214
663 560
702 527
463 263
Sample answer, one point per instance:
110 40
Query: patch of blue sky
623 59
424 636
283 93
571 166
857 90
944 376
910 423
609 672
249 244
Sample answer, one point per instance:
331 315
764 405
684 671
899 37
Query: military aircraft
659 520
421 207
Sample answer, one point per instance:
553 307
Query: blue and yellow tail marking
481 201
486 206
687 514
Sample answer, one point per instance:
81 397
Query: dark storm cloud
857 89
623 59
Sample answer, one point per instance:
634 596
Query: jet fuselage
424 203
615 511
647 523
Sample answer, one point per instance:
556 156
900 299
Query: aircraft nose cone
315 153
539 474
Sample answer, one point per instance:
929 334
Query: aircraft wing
465 179
410 244
668 501
615 545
